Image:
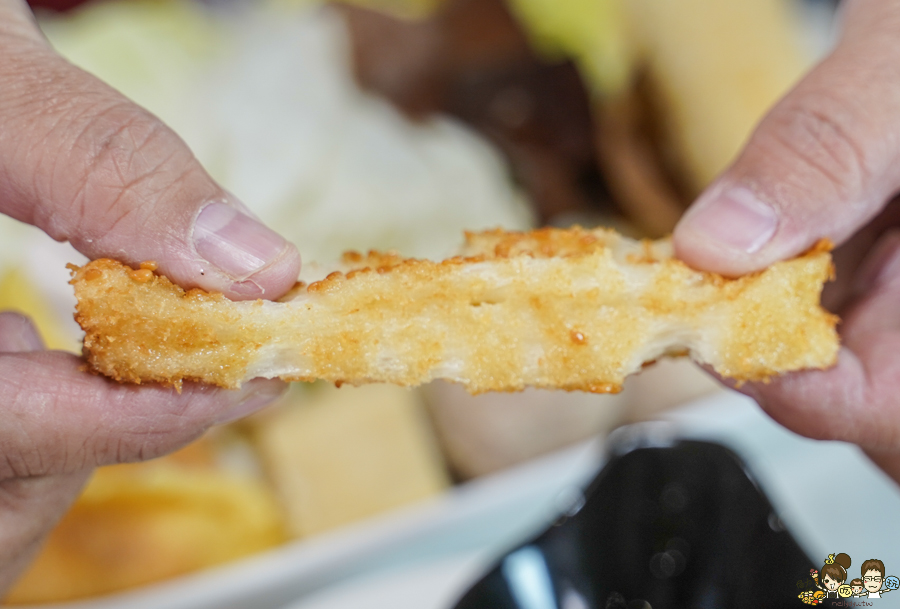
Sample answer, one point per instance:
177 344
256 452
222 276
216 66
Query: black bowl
664 525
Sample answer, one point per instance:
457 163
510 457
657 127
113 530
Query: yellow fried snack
571 309
336 456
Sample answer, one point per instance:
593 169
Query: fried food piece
138 523
337 456
569 309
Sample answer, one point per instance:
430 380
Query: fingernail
234 242
254 396
235 202
247 289
736 219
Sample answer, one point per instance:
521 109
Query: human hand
824 163
84 164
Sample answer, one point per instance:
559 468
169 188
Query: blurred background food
144 522
396 124
337 455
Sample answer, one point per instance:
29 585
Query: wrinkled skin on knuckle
127 160
30 449
151 444
13 495
11 465
823 406
821 133
140 427
129 446
29 457
801 417
57 420
81 161
114 439
30 102
20 452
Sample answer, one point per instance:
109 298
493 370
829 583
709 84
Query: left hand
86 165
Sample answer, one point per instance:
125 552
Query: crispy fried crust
572 309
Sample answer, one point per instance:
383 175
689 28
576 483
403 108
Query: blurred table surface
827 493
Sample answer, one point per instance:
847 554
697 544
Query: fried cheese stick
570 309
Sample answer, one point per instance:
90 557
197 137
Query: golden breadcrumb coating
571 309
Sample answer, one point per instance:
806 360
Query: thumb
820 164
86 165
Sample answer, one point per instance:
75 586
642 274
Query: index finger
58 420
83 163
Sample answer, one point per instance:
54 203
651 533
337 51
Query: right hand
825 162
86 165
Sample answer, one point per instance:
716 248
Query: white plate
830 496
483 517
434 584
797 474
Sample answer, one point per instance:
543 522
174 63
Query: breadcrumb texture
571 309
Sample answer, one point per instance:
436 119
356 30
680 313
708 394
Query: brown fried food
138 523
572 309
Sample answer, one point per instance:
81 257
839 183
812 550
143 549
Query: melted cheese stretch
569 309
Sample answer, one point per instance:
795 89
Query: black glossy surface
674 526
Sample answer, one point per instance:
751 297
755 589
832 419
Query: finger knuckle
125 158
12 465
142 429
139 446
26 459
821 132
